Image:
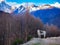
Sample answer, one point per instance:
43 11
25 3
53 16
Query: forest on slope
20 27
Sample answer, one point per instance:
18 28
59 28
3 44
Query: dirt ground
44 41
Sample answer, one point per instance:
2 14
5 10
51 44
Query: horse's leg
44 35
39 35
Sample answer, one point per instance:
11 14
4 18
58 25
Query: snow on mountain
1 1
5 7
23 7
41 7
20 10
46 6
31 7
57 4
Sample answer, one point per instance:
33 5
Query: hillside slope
47 41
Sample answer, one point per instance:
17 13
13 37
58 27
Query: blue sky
34 1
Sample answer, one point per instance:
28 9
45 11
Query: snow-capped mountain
19 10
23 8
31 8
57 4
5 7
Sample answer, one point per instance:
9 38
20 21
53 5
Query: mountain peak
2 1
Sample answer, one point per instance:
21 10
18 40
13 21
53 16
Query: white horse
40 32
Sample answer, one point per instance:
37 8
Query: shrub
17 42
29 37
